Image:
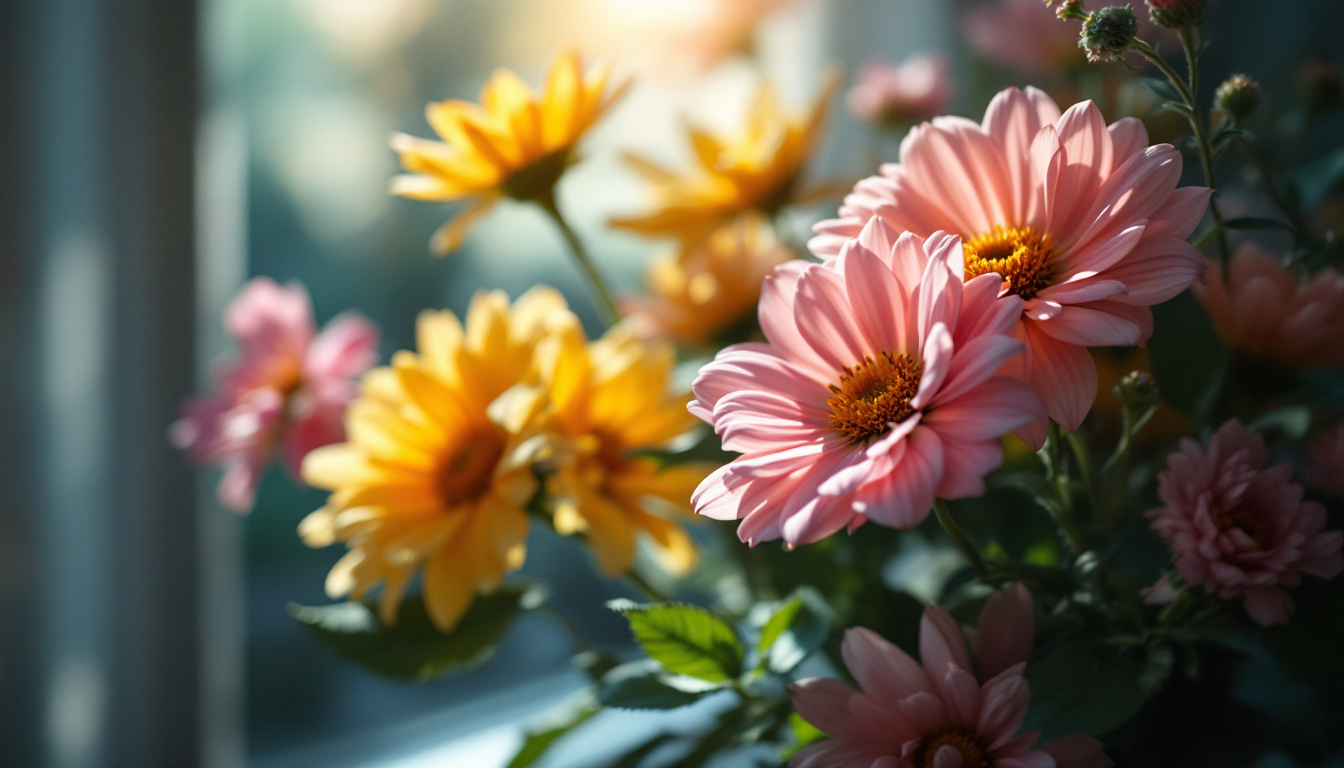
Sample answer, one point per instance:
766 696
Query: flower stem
1188 96
606 304
1057 473
648 589
962 541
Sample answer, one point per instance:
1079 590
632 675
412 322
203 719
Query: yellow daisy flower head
710 290
757 170
515 143
436 473
608 400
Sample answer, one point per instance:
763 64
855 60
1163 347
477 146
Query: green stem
1082 456
1187 94
648 589
1058 475
603 299
1273 193
962 541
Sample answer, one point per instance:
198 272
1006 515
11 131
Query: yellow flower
513 144
711 288
437 471
757 170
609 399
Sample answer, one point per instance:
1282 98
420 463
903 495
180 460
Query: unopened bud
1177 14
1108 32
1237 97
1136 390
1071 9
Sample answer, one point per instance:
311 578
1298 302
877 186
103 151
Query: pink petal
965 466
823 319
1158 270
1269 605
776 314
1005 631
1089 325
937 360
1127 137
993 409
876 298
346 348
975 363
941 644
883 671
1078 751
1181 213
1062 374
903 498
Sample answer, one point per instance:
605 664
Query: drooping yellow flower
757 170
707 290
513 144
437 472
609 399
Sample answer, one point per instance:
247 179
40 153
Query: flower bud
1071 9
1177 14
1108 32
1136 390
1237 97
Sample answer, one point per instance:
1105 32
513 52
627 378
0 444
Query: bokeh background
155 153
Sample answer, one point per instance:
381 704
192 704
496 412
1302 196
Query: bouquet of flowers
1035 454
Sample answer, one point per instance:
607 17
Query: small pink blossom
1082 220
1275 312
1022 34
1325 460
287 391
1239 528
946 713
877 392
915 90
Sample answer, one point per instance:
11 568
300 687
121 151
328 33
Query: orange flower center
973 753
1242 516
466 472
873 394
1020 255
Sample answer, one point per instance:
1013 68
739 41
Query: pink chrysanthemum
1239 528
941 714
1325 460
916 89
1276 313
288 390
877 392
1082 221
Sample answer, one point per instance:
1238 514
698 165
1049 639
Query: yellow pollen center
973 753
1020 255
873 394
466 472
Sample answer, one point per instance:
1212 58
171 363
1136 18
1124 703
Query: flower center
973 753
1243 516
467 471
873 394
1020 255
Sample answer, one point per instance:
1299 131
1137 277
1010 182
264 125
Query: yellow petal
560 102
316 530
331 466
449 237
449 588
423 187
438 337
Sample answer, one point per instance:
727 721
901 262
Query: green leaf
643 685
804 733
1251 222
413 648
1084 689
635 757
1187 355
797 629
1162 88
685 639
539 742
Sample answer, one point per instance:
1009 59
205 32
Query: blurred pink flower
1325 460
1024 35
877 392
915 90
1083 221
1239 528
905 715
1275 312
288 390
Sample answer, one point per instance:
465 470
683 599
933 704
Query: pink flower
1084 223
288 389
999 32
915 90
1240 529
1275 312
940 714
877 392
1325 460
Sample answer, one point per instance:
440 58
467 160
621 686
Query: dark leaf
539 742
795 631
413 648
1162 88
635 757
1251 222
1187 355
1082 689
685 639
643 685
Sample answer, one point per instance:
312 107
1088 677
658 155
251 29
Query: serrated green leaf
797 629
643 685
537 743
685 639
413 648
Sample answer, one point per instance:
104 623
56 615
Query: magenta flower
1325 460
1239 528
288 390
915 90
877 392
947 713
1083 221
